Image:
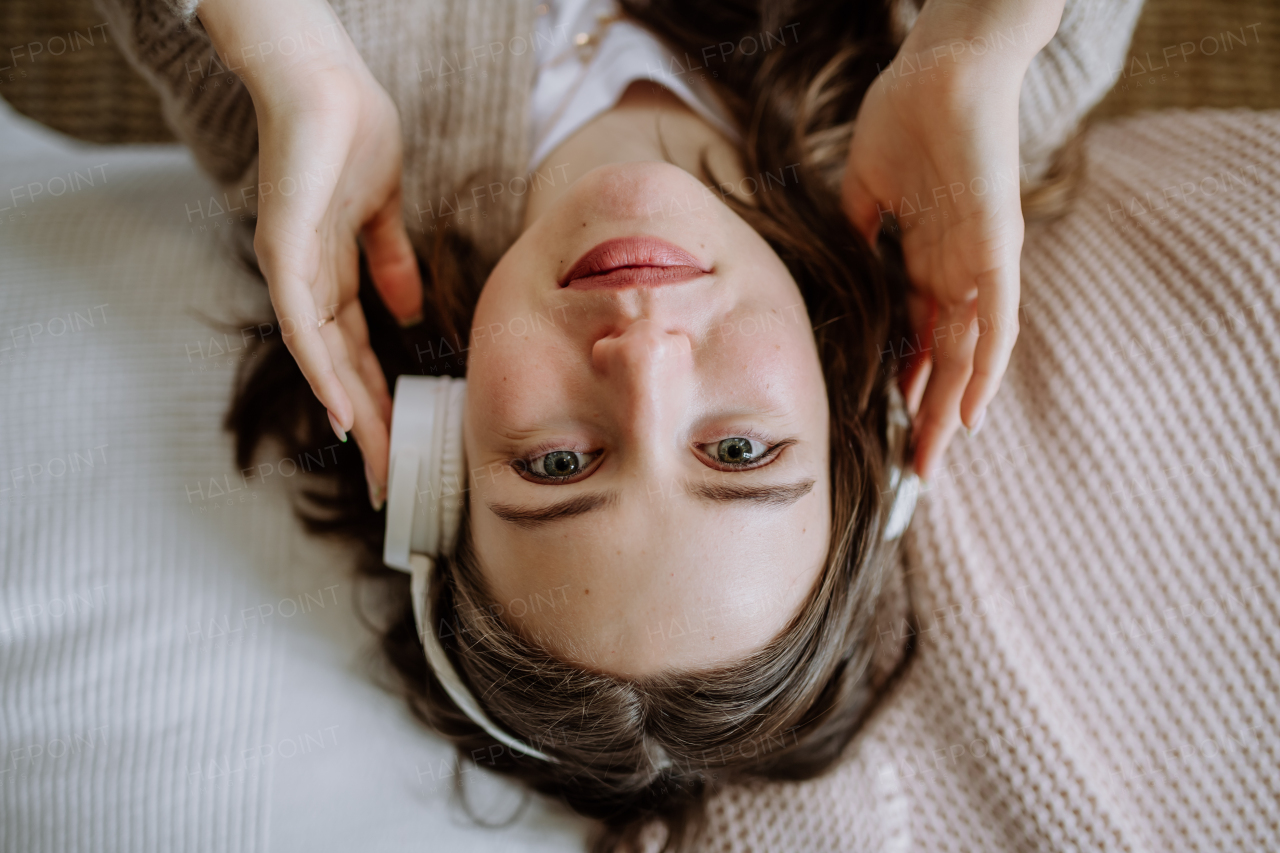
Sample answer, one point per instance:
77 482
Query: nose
648 376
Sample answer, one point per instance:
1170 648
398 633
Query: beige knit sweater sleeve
1068 78
207 106
458 71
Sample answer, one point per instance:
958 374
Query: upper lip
633 261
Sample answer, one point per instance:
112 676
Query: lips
633 261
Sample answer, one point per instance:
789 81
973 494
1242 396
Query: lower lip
633 261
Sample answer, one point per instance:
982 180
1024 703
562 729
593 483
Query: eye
740 452
556 466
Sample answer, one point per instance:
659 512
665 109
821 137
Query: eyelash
523 465
771 453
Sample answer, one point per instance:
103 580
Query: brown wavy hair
787 711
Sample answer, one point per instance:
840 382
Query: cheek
499 388
515 342
767 360
520 384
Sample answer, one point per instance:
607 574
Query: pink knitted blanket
1096 573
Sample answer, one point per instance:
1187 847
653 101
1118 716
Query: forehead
623 590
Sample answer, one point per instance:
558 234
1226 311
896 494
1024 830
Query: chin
642 192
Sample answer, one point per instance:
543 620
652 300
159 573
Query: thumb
392 263
860 206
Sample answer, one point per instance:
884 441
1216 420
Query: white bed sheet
179 669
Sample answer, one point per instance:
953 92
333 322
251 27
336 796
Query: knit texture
460 74
1096 573
183 667
172 51
1069 76
116 715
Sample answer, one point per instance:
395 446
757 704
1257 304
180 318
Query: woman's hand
936 145
329 157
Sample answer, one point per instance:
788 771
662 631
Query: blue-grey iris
732 451
560 463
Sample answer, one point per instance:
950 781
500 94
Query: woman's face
646 429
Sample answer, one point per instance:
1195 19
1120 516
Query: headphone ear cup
427 468
453 462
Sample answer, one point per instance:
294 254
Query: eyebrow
530 517
777 495
771 495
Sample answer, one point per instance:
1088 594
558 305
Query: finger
355 330
369 427
288 246
860 206
914 379
373 439
997 320
915 365
392 263
299 319
939 414
375 382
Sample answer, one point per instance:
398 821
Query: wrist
997 36
279 49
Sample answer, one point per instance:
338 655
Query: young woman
678 334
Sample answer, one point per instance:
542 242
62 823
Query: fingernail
337 427
970 432
375 491
409 322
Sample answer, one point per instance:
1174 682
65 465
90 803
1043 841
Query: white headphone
905 487
425 490
427 485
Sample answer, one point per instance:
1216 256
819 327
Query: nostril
643 341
